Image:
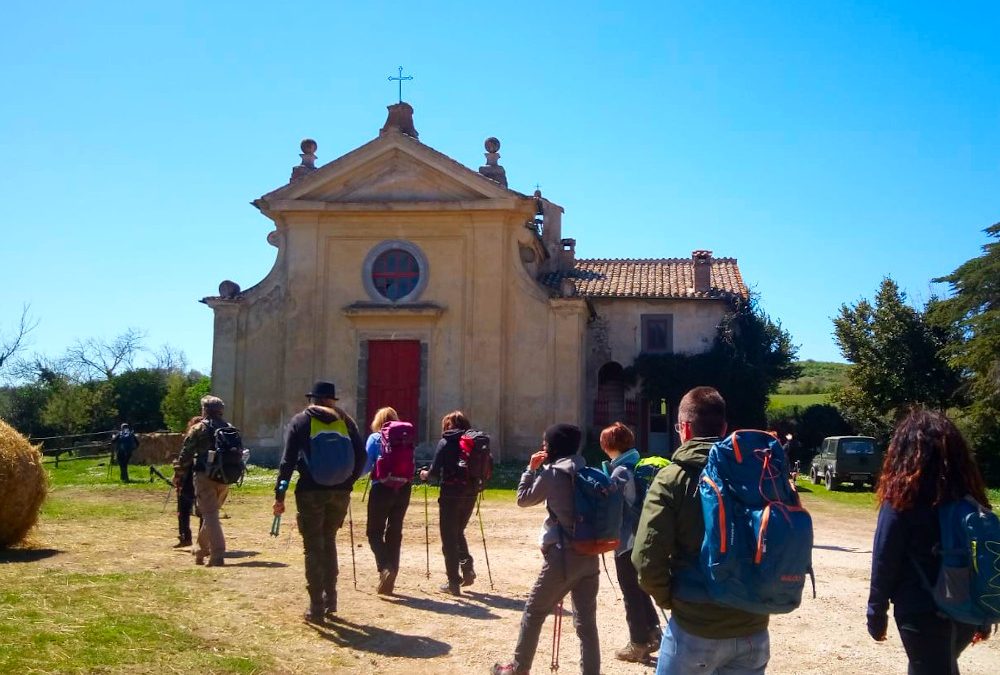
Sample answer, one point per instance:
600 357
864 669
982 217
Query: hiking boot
315 615
508 669
655 638
468 574
183 543
330 603
633 652
384 586
451 589
215 562
199 558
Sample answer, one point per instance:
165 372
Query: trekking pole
556 637
276 525
365 493
350 525
167 499
427 533
605 562
486 554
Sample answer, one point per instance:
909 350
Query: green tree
972 312
898 361
138 395
81 408
182 399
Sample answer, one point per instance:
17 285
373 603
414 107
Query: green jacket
668 540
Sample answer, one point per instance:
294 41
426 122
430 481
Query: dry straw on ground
23 485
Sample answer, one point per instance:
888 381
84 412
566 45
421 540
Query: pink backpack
395 465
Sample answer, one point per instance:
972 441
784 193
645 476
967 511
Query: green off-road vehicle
846 459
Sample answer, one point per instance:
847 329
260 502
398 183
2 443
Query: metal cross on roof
400 80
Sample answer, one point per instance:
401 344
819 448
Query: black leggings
933 643
386 510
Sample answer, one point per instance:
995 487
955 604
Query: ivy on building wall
750 355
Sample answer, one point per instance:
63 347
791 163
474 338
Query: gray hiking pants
563 572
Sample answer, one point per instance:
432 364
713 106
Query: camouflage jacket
197 442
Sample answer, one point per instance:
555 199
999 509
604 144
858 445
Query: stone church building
411 280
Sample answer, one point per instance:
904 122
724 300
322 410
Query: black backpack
225 461
474 453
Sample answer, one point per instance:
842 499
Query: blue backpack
968 586
758 540
597 512
331 453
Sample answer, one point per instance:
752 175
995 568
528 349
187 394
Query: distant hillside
818 377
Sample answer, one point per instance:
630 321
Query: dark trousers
320 514
123 458
933 643
640 614
563 572
185 506
386 510
455 512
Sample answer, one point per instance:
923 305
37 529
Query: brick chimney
400 119
702 261
567 257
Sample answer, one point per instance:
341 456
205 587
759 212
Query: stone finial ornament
400 119
492 169
229 289
308 155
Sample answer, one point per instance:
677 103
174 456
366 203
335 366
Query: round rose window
395 273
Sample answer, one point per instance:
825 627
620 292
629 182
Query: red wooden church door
394 378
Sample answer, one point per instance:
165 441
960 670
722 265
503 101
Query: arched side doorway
609 406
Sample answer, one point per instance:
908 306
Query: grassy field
778 401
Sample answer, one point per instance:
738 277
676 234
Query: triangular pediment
392 168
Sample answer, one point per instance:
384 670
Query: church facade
411 280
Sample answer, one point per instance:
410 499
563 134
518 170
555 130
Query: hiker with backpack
125 442
617 442
569 565
702 635
390 461
925 560
198 452
456 502
324 445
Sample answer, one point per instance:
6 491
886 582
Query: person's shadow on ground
455 608
377 640
495 601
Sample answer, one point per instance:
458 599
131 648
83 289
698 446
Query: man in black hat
324 444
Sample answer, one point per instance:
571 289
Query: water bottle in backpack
225 461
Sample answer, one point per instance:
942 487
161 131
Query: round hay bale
23 485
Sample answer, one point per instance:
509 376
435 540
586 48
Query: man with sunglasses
701 636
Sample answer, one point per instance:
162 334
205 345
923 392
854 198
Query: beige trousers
209 496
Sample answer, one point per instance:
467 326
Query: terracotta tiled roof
662 278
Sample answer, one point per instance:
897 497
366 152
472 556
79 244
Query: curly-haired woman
927 465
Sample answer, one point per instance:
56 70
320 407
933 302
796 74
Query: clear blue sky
824 144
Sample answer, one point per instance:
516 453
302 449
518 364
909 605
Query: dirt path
262 595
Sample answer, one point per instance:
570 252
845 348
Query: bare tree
10 346
169 359
94 357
